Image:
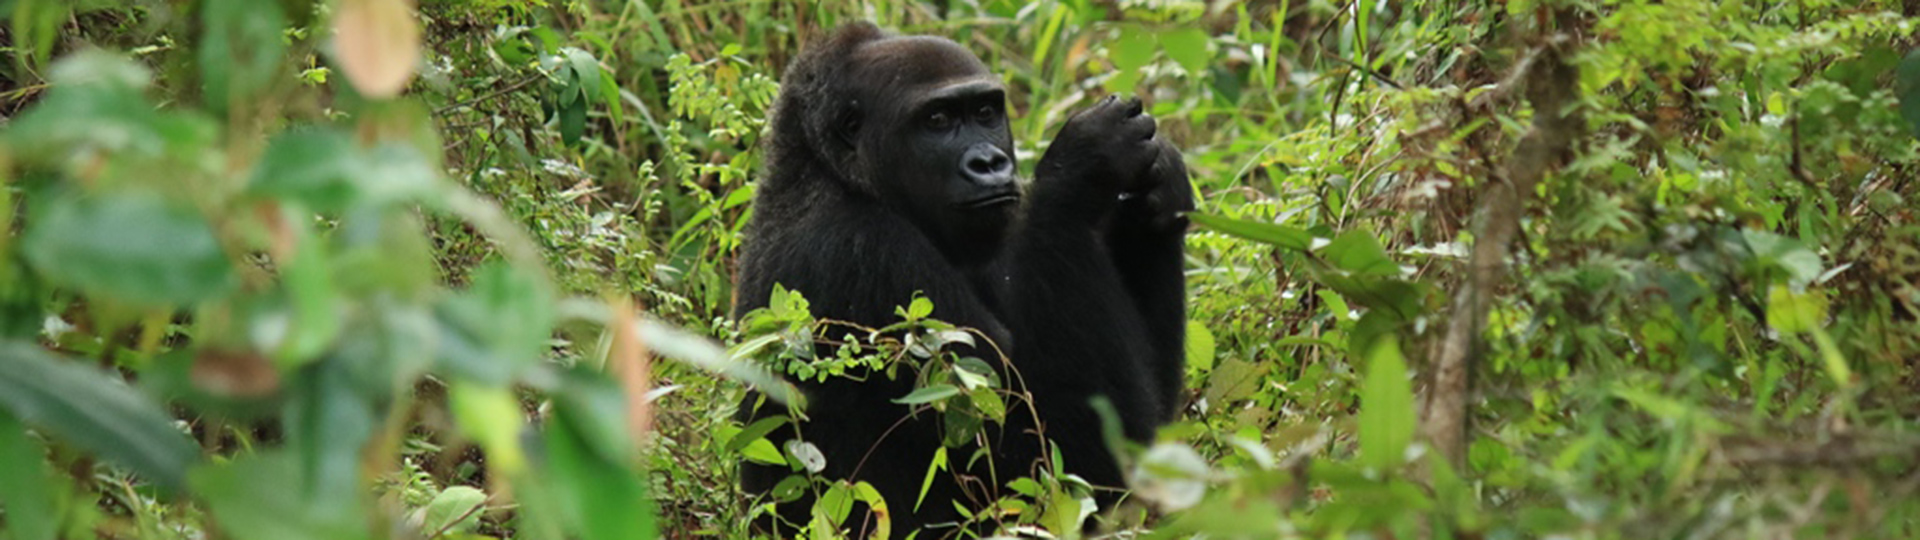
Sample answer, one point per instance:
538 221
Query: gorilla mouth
997 199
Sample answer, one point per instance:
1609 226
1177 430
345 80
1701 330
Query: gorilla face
933 139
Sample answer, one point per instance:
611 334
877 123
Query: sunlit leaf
1359 253
1386 408
928 394
1278 235
455 509
1199 346
1792 313
492 417
1188 47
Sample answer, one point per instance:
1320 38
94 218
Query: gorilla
890 173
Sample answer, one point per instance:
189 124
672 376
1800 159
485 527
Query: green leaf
938 464
328 423
95 411
756 431
1386 408
498 328
127 246
240 49
1133 49
260 497
920 308
604 499
492 417
1794 313
26 485
1188 47
456 509
1907 78
1199 346
1777 254
597 408
1279 235
1359 253
928 394
315 302
703 353
317 167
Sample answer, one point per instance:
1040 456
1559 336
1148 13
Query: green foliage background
238 299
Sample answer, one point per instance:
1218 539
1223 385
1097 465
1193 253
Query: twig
489 95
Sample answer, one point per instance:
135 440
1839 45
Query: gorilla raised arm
890 173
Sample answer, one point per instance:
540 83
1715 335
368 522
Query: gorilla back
890 173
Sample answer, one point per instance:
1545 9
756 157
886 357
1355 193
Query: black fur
1081 285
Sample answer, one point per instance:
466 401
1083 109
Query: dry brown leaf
632 364
376 43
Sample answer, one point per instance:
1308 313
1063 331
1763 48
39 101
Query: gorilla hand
1107 148
1167 194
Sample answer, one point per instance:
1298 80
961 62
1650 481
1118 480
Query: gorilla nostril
1134 108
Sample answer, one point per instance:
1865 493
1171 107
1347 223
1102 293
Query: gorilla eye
939 121
987 115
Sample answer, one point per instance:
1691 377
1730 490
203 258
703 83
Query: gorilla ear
847 126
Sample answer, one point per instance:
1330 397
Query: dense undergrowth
1534 268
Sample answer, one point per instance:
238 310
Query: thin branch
489 95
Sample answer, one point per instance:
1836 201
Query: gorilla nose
986 165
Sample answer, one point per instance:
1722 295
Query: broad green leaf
26 485
1386 408
1279 235
328 423
491 416
920 308
1793 313
315 302
1907 78
1188 47
928 394
756 431
764 452
1782 255
1133 49
1172 475
497 328
95 411
1233 380
455 509
130 247
240 49
597 408
259 497
101 113
1199 346
1359 253
317 167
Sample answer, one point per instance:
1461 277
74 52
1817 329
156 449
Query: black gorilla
890 173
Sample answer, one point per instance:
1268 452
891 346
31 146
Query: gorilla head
916 122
